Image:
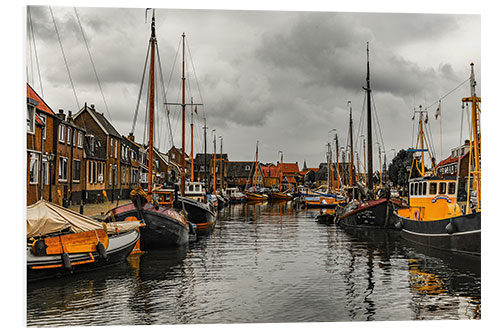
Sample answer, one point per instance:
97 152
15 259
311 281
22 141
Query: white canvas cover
44 217
121 226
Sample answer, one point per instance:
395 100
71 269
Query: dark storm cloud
283 78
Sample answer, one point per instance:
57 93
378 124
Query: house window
33 168
75 132
76 170
45 172
62 133
80 139
115 173
44 128
111 150
30 119
63 168
110 174
247 167
69 136
116 148
202 168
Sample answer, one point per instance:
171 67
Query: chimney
69 118
92 106
61 115
131 137
467 142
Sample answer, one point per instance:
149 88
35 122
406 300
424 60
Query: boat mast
205 169
192 153
221 167
369 120
183 161
351 160
329 163
475 141
152 41
337 153
281 171
256 163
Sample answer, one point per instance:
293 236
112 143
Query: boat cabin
431 198
195 190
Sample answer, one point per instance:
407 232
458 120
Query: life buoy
416 215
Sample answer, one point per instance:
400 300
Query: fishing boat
165 225
62 242
252 194
435 218
373 211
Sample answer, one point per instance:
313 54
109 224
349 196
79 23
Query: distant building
241 173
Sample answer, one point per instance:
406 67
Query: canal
267 263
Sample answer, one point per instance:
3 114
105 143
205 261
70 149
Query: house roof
103 123
270 171
42 106
289 168
450 160
290 180
179 151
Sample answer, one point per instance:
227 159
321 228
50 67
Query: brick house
271 176
240 173
40 152
95 122
95 164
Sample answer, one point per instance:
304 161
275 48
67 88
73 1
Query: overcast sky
283 78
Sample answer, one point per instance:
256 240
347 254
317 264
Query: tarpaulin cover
44 217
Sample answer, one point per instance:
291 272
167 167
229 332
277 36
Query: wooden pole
151 108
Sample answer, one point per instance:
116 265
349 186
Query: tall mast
205 168
183 173
281 170
152 41
256 164
369 120
192 150
329 163
337 153
221 167
351 160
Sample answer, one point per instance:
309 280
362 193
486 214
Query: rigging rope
64 57
446 95
140 90
36 53
92 62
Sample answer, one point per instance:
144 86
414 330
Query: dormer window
247 168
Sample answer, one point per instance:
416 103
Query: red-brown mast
192 150
152 41
183 173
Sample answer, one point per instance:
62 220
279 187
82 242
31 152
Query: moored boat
63 242
435 218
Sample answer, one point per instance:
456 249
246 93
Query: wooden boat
322 202
280 195
235 196
253 197
63 242
434 217
198 213
165 225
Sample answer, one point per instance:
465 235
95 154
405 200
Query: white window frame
111 147
30 119
45 171
34 168
111 174
69 135
44 128
75 137
247 168
116 148
63 159
80 139
62 133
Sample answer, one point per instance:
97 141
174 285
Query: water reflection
267 263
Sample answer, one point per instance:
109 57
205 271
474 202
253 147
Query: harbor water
267 263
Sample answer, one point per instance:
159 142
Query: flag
196 109
413 118
168 111
438 111
426 118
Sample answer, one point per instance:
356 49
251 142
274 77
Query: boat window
451 188
411 188
190 188
197 187
433 188
419 188
424 188
442 188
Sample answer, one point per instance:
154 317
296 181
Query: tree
399 168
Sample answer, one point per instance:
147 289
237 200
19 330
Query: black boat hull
36 272
371 214
461 234
199 214
164 226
